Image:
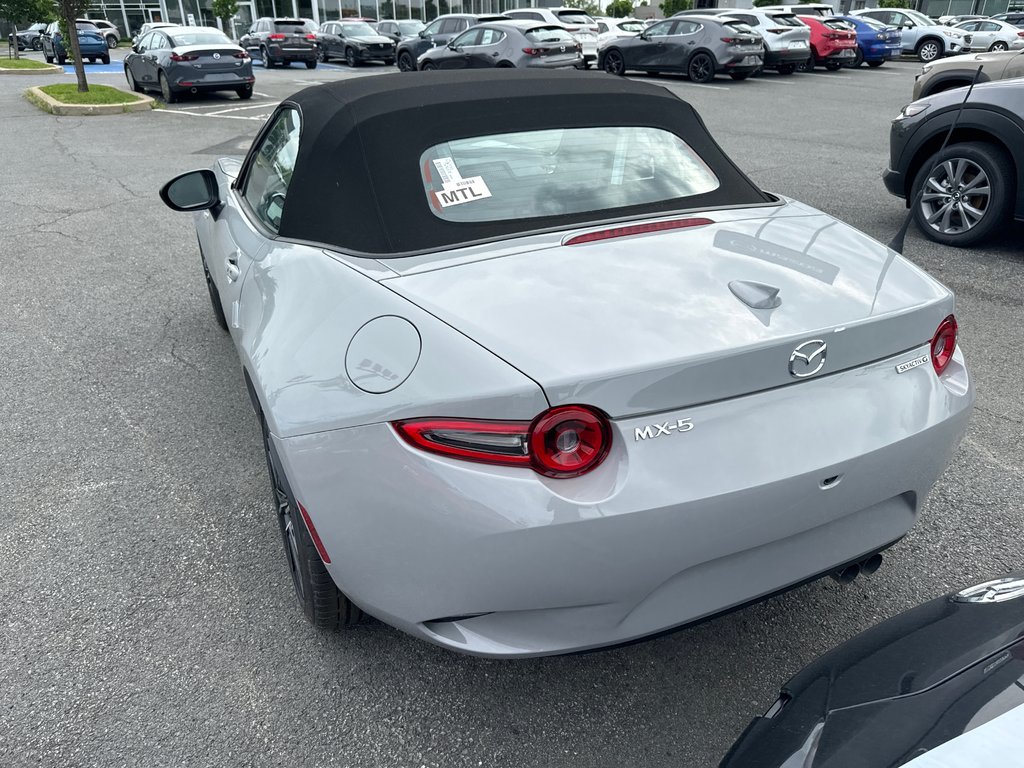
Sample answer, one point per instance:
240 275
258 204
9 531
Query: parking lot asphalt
148 618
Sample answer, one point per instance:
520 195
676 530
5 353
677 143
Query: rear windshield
294 26
82 26
550 35
845 26
410 27
201 38
631 26
357 28
739 26
786 20
574 17
873 23
560 171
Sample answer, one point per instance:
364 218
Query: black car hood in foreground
899 689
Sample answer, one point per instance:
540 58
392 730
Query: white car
612 29
990 35
922 37
802 9
582 26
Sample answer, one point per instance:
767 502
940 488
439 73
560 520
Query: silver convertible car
550 373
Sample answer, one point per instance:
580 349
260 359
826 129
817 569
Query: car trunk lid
643 324
224 58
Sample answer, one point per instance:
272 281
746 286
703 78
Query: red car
833 42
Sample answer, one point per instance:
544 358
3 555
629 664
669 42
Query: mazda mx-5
549 372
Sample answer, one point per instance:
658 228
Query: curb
46 69
49 104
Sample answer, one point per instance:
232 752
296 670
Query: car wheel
875 64
350 58
265 55
740 75
131 80
37 45
999 46
92 59
322 602
245 92
701 68
787 69
166 93
321 55
111 42
968 192
505 65
105 58
614 64
858 58
428 66
311 64
406 63
928 50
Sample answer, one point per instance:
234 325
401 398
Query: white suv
923 37
582 26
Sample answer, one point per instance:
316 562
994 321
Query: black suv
281 41
976 184
438 32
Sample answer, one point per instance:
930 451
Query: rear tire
323 604
168 95
245 92
428 66
105 58
111 42
876 64
858 58
132 83
265 55
505 65
311 64
322 56
740 75
350 58
701 68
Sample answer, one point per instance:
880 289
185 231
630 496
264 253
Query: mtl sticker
456 190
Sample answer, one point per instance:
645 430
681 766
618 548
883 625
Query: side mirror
908 25
452 46
192 191
644 36
423 34
135 48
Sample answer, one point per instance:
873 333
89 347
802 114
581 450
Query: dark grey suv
438 32
976 184
281 41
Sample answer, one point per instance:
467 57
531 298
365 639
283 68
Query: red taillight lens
241 55
532 51
730 40
183 57
311 37
276 36
562 442
636 229
944 344
568 441
1020 34
778 31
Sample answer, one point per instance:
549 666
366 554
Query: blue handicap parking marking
113 68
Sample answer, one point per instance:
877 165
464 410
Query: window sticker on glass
456 190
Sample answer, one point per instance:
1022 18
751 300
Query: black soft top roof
356 184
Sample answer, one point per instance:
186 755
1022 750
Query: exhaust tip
871 564
847 573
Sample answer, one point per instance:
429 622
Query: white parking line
239 109
771 80
830 75
261 118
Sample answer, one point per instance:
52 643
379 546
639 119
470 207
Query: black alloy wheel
968 192
323 604
321 54
350 57
429 66
858 58
245 92
406 62
168 95
105 58
311 64
999 45
111 42
265 55
614 64
37 44
701 68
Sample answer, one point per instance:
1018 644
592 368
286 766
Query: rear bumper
501 562
894 182
882 51
286 54
575 63
838 54
793 56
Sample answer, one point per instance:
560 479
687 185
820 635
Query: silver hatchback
507 44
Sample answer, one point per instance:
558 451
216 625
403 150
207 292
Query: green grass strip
67 93
21 64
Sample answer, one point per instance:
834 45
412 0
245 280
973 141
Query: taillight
311 37
241 55
532 51
731 40
183 56
943 344
566 441
1020 34
276 36
636 229
778 31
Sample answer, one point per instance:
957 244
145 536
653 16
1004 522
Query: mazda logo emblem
216 55
807 359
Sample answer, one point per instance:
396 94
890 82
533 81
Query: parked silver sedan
551 373
990 35
507 44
